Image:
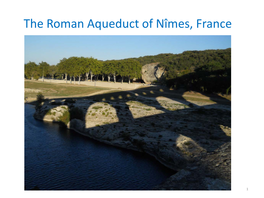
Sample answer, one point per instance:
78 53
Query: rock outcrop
152 72
186 139
48 114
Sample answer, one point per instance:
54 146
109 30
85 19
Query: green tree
31 70
44 69
108 68
71 67
132 69
80 67
122 69
63 67
136 69
112 68
59 73
53 69
95 67
87 66
115 69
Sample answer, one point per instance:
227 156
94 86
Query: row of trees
206 71
82 66
35 71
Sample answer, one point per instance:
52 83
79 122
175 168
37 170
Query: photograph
127 112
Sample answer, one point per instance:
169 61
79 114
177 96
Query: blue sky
52 49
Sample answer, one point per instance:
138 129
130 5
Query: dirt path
113 85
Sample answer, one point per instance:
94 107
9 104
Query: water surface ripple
60 159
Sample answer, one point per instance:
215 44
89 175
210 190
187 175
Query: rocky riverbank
194 141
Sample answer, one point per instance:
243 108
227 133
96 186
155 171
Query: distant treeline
82 67
206 71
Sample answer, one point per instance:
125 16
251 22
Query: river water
60 159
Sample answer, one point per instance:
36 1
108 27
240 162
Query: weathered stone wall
184 138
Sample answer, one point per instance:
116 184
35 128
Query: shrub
65 118
48 112
40 97
97 107
74 113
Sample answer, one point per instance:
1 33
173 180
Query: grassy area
57 90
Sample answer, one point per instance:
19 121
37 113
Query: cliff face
152 72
